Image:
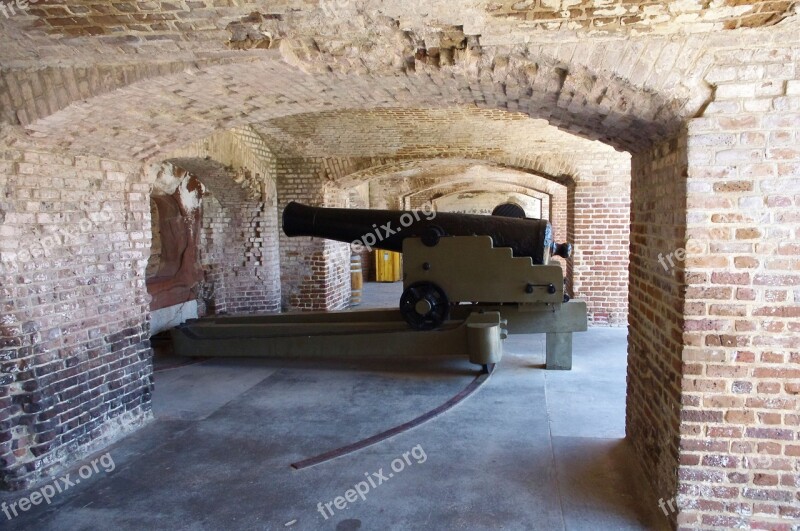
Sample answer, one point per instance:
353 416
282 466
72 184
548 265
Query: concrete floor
530 450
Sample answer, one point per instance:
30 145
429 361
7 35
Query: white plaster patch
166 182
172 316
191 200
687 17
726 12
683 6
164 179
559 5
653 10
618 10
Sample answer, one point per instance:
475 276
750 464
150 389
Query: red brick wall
601 203
740 427
558 214
656 312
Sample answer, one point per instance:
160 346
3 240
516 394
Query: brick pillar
658 220
239 249
76 359
600 230
558 214
740 428
315 273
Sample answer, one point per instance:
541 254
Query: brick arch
146 120
555 196
215 176
236 252
456 186
559 187
240 149
556 199
414 201
549 172
451 191
56 87
452 188
560 204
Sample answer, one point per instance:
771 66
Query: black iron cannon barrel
386 229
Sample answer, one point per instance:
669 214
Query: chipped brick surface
75 350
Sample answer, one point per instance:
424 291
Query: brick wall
239 239
74 352
240 276
315 273
714 374
656 311
740 427
601 201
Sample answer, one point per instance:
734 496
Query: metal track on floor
473 386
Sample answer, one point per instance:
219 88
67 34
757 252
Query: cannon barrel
386 229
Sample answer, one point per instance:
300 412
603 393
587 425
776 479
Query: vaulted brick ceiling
415 176
419 133
70 70
128 26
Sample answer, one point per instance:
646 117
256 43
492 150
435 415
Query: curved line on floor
171 366
473 386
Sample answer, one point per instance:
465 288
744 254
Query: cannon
390 228
448 259
468 282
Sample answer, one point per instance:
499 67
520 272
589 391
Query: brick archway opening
307 172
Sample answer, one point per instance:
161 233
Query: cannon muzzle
386 229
